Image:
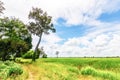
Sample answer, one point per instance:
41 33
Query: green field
70 69
73 69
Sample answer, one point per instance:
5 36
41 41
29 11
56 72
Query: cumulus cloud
52 38
74 12
100 45
98 42
49 39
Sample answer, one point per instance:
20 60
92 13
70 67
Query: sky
83 27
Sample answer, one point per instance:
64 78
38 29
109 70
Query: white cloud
101 45
51 38
74 12
49 43
101 40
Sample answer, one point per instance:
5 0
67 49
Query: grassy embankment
71 69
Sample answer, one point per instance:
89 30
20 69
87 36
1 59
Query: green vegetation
9 70
98 73
30 53
14 38
64 69
72 69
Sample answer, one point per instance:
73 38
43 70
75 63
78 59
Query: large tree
15 29
14 33
57 53
11 48
40 23
1 7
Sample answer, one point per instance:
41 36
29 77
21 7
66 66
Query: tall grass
9 69
99 67
98 63
56 71
98 73
70 69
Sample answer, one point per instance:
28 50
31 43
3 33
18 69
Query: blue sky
66 32
111 17
84 27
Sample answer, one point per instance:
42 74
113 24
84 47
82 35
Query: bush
8 69
97 73
44 56
15 70
28 55
88 71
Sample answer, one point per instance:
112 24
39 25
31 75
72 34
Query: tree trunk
3 57
35 52
14 57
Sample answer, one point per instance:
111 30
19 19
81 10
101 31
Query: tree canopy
14 37
11 47
42 22
1 7
15 29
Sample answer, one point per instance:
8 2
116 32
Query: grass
10 70
70 69
104 68
98 73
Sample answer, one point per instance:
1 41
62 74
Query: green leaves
1 7
13 47
13 28
14 36
10 69
41 22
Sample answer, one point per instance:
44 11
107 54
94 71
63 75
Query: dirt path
31 75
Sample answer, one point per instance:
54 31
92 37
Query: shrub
44 56
28 55
88 71
15 70
8 69
73 69
96 73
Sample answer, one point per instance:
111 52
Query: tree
42 53
11 47
14 36
1 7
57 52
15 29
44 56
41 23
